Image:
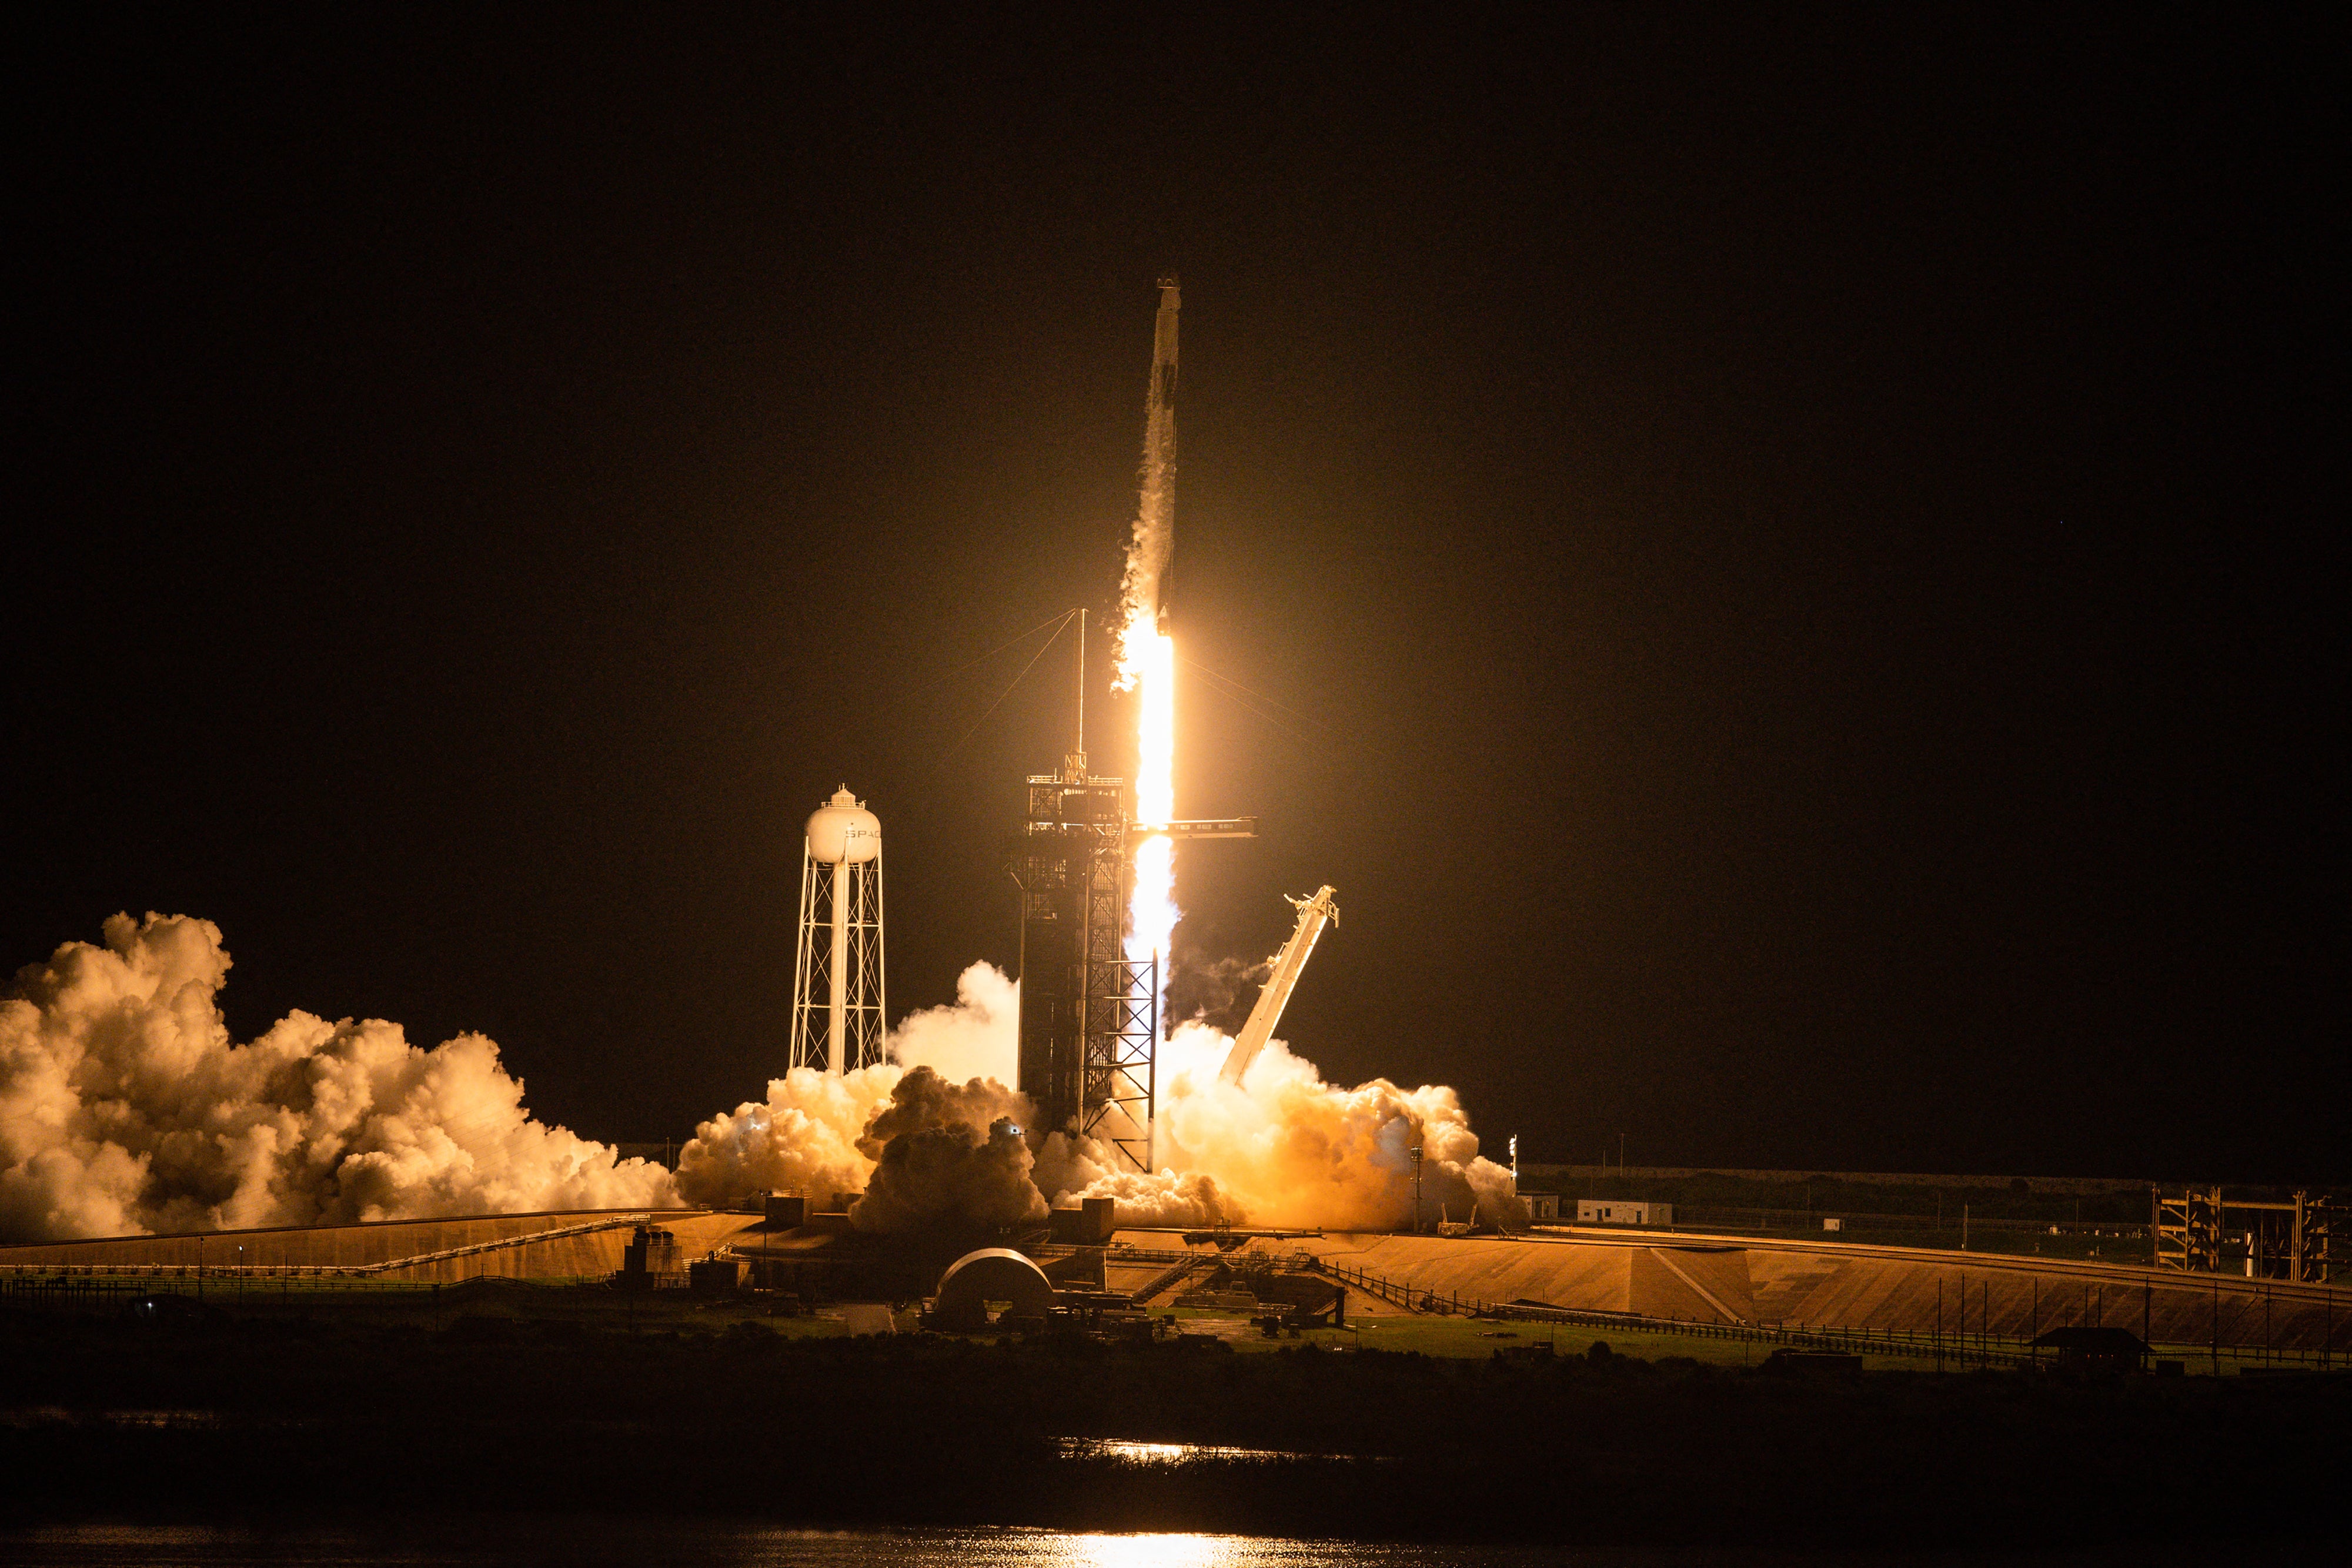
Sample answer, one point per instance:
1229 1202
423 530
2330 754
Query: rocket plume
1282 1147
1154 543
918 1134
125 1107
1146 654
1285 1148
1151 909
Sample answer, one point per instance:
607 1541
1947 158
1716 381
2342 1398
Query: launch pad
1089 1009
1089 1013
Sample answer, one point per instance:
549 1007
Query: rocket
1155 521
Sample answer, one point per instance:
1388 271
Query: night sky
1782 562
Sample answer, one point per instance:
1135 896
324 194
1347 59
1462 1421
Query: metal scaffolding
2296 1239
1089 1015
840 927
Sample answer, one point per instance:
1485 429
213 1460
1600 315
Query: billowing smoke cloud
1280 1148
949 1156
809 1135
126 1108
802 1139
1285 1148
1081 1167
1217 991
978 1036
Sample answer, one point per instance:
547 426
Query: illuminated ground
1727 1280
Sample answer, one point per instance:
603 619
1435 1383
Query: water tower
837 973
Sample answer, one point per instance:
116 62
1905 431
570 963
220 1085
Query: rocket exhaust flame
124 1105
1151 912
1146 654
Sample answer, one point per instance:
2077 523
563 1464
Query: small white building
1622 1212
1543 1208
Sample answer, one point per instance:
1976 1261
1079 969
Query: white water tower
837 974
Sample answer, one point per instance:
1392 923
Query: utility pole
1416 1189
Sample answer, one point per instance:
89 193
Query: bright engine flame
1147 661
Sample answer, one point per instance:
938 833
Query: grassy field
494 1308
1478 1339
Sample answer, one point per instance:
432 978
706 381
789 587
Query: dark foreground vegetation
332 1412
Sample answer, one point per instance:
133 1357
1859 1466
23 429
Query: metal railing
1974 1350
307 1270
1969 1349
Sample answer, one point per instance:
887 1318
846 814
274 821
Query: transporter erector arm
1314 914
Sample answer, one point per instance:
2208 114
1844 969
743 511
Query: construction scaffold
2296 1239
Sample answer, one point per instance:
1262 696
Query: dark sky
1794 549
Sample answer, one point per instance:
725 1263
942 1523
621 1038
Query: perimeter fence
1969 1349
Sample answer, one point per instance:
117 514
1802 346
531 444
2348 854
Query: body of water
662 1543
639 1541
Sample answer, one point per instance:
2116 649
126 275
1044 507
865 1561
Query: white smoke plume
802 1138
1283 1148
125 1108
977 1036
949 1156
806 1136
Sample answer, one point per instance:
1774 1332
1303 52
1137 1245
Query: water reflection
578 1543
1183 1453
590 1542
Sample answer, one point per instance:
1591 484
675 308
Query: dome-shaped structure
991 1274
841 830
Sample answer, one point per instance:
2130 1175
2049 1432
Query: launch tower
1089 1007
1089 1014
837 970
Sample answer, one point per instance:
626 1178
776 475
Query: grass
540 1308
1477 1339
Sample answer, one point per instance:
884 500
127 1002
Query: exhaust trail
1146 654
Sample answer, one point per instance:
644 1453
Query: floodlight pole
1416 1189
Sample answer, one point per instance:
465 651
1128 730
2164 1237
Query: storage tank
843 830
838 1001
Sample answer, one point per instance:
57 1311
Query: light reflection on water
577 1543
1157 1453
576 1540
